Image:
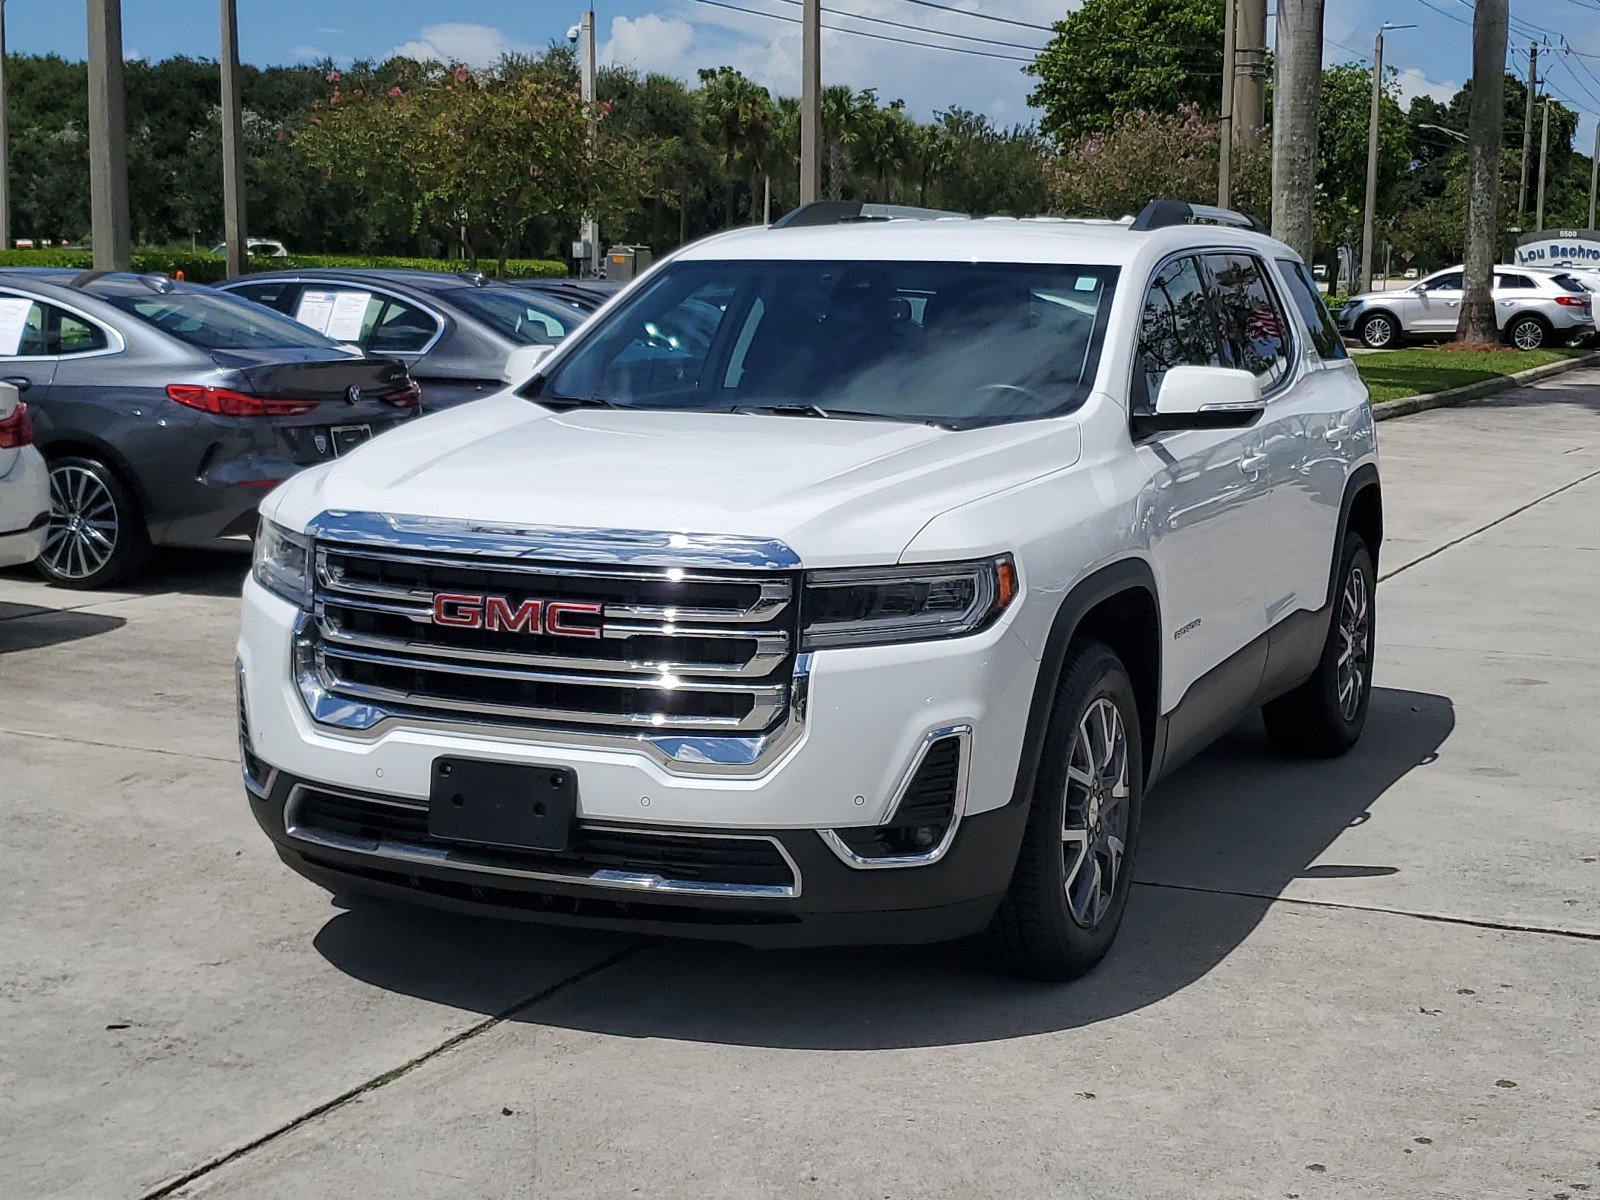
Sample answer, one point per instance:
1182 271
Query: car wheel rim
1355 642
82 535
1529 335
1094 827
1379 332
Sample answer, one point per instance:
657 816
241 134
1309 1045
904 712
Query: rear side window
1303 291
217 321
1176 329
33 329
1512 281
278 293
1253 329
400 328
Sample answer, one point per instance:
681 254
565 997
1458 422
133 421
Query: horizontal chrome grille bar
555 570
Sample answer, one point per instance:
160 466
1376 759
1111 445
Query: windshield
214 321
526 319
948 343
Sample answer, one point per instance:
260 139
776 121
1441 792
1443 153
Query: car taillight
226 403
1572 302
407 397
17 429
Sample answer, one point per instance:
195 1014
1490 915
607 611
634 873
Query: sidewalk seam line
1485 528
388 1077
74 741
1471 922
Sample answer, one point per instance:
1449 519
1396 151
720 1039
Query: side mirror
1204 398
522 364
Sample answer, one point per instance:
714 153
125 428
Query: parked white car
847 581
1533 309
24 483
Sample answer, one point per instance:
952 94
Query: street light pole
1364 278
1527 128
108 140
586 90
5 142
1544 154
811 101
1230 49
233 215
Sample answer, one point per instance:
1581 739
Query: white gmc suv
851 580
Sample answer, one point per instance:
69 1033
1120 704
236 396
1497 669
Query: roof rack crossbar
1159 214
840 212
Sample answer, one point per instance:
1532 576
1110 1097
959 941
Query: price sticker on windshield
315 309
348 316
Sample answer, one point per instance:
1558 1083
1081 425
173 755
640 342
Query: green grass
1391 374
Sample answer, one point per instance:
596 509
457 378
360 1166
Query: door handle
1337 433
21 382
1253 464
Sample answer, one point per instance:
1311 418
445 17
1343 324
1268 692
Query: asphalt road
1373 977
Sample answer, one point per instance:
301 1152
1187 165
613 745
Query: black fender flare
1363 478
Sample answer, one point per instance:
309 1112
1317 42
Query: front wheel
1379 332
1324 716
96 534
1067 894
1527 333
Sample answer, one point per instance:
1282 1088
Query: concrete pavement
1376 976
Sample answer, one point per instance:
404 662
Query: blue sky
678 36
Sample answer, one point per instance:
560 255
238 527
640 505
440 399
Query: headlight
283 563
878 606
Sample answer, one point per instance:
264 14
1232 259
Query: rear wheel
96 534
1324 716
1379 332
1067 894
1527 333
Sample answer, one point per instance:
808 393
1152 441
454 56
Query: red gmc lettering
557 610
498 614
454 608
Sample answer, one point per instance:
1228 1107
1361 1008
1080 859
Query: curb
1407 405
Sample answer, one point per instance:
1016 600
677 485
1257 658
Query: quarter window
1254 331
49 332
1177 329
1519 282
1303 291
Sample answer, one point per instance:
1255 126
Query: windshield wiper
794 408
576 402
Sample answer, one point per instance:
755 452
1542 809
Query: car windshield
215 321
526 319
946 343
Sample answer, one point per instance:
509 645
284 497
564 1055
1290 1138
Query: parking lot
1376 976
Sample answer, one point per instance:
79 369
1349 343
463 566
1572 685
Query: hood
837 491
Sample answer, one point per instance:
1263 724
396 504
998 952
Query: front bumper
827 903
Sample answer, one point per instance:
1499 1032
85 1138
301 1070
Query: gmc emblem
464 611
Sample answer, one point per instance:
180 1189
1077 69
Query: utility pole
233 223
1594 174
1527 128
1250 86
108 138
1295 97
1225 121
1364 278
1544 153
810 101
5 142
590 234
1485 134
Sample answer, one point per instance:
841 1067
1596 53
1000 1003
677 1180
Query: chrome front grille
641 648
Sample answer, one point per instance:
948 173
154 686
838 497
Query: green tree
1345 112
737 119
1112 57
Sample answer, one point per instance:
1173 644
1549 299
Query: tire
97 534
1055 921
1528 333
1379 331
1320 719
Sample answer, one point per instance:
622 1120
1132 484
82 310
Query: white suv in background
1533 309
851 580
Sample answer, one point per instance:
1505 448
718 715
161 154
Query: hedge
204 267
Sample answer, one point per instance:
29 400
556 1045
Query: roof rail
1159 214
840 212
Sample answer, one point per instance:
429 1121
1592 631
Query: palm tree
843 112
884 144
1484 121
737 117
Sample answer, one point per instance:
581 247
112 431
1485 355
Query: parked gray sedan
167 410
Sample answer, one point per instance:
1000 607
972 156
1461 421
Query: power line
882 37
982 16
965 37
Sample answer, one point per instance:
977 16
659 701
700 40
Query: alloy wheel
1095 823
1528 335
1355 642
1378 332
82 535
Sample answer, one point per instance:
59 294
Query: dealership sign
1559 248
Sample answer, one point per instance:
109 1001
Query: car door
1204 507
1438 304
27 356
1512 291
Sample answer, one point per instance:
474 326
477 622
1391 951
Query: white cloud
649 44
308 53
1414 83
460 41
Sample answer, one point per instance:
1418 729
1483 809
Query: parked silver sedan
1532 309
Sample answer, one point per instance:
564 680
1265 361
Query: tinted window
1303 291
278 294
948 342
1450 282
514 313
1512 281
1253 329
48 331
74 335
217 321
1177 328
1572 283
398 328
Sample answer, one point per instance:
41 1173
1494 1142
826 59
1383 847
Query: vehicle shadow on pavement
30 627
215 569
1222 838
